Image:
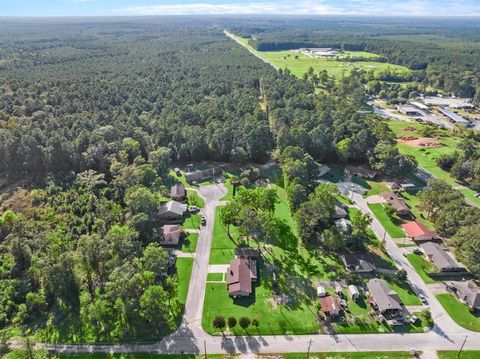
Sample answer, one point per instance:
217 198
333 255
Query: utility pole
309 345
461 348
205 348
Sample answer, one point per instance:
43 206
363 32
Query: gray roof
355 262
203 175
177 190
469 292
439 257
343 224
453 116
384 297
173 207
339 211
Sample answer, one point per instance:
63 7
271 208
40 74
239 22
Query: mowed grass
189 243
392 228
184 271
460 312
216 277
351 355
192 221
223 247
466 354
427 157
422 267
299 64
194 199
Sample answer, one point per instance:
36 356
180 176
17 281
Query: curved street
190 338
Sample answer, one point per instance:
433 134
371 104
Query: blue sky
182 7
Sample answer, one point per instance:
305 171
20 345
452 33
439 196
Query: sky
204 7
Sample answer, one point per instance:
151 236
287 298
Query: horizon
130 8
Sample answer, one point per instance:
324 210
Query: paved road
192 339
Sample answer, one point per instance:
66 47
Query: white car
193 209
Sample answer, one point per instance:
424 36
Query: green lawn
422 267
352 355
404 291
184 271
467 354
215 277
140 356
222 251
189 244
194 199
376 188
299 64
392 228
192 221
459 312
427 157
413 201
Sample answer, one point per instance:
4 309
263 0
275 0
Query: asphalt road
190 338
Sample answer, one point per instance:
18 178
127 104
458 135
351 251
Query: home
467 292
170 235
385 300
398 204
353 291
172 211
247 252
440 258
338 211
198 176
177 192
355 263
360 172
418 231
322 170
343 224
330 305
240 274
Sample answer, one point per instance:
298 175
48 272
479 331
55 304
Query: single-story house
343 224
240 274
177 192
468 292
330 305
322 170
355 263
172 211
398 204
383 298
360 171
418 231
339 211
197 176
170 235
247 252
353 291
440 258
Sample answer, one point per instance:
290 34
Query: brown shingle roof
177 190
239 277
170 234
393 200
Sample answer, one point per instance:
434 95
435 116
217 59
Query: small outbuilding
330 305
353 291
177 192
321 291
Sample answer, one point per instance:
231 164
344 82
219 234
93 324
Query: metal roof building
459 120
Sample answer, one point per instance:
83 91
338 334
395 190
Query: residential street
191 338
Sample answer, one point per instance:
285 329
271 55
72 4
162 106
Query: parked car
413 319
417 250
193 209
423 298
203 221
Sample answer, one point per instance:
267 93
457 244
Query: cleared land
459 312
299 64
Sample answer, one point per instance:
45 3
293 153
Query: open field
459 312
427 157
299 64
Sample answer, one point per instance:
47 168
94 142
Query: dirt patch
409 129
419 142
19 202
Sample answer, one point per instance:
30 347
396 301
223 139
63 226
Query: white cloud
312 7
267 7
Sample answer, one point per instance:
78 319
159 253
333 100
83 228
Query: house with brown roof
467 292
170 235
360 171
177 192
441 259
240 274
385 300
330 305
418 231
396 202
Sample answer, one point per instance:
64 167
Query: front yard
392 226
422 266
460 312
184 270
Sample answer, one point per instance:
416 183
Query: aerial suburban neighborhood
239 182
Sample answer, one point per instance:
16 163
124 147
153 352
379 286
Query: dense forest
443 53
